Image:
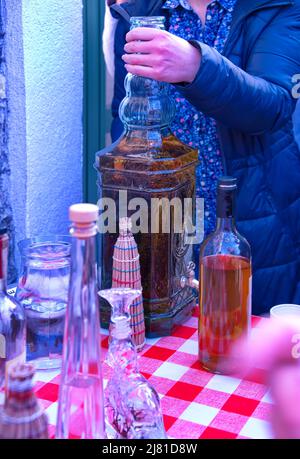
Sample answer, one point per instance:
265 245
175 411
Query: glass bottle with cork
225 285
132 405
81 407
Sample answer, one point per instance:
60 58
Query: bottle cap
83 213
227 187
228 183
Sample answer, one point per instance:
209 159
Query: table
195 403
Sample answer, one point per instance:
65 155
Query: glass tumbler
43 291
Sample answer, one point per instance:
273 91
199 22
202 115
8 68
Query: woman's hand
157 54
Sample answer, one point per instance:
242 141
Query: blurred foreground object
22 417
12 319
276 348
132 405
225 284
80 406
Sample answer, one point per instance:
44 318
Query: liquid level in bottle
225 301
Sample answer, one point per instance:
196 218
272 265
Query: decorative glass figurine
81 407
132 405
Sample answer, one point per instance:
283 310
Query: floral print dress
191 126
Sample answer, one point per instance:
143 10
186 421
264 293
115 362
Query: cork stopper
125 224
83 213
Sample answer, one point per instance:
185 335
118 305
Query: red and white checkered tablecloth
195 403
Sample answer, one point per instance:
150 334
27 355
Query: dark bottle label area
225 300
225 203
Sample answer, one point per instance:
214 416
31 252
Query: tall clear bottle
225 285
12 320
81 407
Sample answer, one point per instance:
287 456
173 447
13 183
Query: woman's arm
254 101
108 38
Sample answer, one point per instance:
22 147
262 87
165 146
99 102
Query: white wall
17 115
45 74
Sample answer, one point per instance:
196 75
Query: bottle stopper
83 218
83 213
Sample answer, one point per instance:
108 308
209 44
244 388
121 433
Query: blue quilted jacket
248 90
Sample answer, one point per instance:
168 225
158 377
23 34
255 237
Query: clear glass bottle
81 407
22 416
131 403
43 292
149 162
12 319
225 285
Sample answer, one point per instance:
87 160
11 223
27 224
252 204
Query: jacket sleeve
122 24
259 98
108 39
117 127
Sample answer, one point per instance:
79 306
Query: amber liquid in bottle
225 288
224 306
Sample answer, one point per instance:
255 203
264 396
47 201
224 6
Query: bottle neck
147 110
121 329
4 243
122 352
83 274
225 209
81 355
226 224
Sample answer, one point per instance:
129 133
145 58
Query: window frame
94 110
